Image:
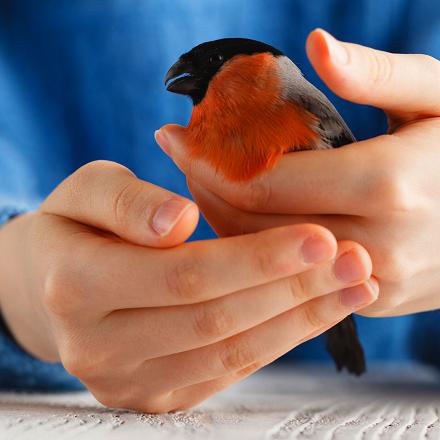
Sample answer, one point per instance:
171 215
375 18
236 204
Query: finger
227 220
186 397
108 196
275 336
305 182
131 276
194 394
188 327
399 84
189 396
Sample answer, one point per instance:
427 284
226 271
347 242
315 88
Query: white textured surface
395 402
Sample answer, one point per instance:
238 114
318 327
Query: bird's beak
184 81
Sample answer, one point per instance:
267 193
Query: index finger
126 276
303 182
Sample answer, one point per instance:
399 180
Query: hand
383 193
100 279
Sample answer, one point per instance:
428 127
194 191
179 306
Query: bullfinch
251 105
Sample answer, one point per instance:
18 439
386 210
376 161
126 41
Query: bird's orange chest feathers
243 125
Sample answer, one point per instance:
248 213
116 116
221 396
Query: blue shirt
83 80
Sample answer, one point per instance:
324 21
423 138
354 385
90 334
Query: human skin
383 192
101 279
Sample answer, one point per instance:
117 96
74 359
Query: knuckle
59 298
88 169
91 168
128 201
83 175
185 280
395 265
393 191
312 316
69 287
86 174
296 289
397 196
236 355
212 322
257 195
381 68
265 262
73 188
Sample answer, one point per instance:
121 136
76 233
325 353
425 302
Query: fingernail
348 268
162 140
168 214
356 296
316 249
337 51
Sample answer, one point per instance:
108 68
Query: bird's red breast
243 124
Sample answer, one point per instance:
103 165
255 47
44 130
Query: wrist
19 303
10 222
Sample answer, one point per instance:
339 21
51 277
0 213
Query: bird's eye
216 58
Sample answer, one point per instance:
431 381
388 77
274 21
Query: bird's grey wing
332 126
298 90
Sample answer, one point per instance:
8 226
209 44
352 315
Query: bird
252 105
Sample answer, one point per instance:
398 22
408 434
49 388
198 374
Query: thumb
171 138
399 84
108 196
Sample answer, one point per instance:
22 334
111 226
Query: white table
390 402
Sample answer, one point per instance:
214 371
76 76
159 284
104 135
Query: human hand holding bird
382 193
251 106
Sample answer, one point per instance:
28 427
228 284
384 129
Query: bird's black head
194 69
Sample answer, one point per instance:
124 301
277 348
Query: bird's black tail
344 346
